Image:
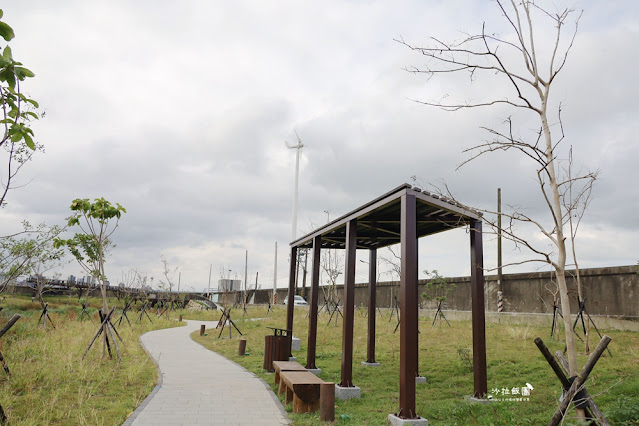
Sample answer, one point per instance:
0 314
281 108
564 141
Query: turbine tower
298 147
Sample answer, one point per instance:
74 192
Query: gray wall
610 291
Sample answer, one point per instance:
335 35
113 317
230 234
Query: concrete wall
610 291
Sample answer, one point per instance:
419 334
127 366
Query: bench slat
304 389
280 366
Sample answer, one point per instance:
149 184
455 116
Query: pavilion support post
372 305
291 297
312 313
478 315
408 308
349 305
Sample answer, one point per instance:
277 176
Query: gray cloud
178 111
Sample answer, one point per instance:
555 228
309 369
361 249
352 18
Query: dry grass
49 381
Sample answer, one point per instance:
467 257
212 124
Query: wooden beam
291 295
312 312
478 314
408 308
349 305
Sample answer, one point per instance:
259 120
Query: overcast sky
179 110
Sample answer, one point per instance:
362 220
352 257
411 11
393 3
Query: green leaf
22 72
6 31
7 54
8 77
29 141
34 103
16 137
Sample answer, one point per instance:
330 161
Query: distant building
229 285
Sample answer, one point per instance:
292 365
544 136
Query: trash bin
276 347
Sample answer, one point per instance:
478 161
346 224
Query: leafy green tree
97 221
18 111
26 251
44 260
437 287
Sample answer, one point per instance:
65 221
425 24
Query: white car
297 301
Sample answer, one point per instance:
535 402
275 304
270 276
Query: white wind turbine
298 147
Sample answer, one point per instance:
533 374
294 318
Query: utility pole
298 147
275 277
209 289
304 279
245 274
500 293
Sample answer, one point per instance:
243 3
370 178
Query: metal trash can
276 347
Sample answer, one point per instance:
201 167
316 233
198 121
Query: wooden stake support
6 328
440 314
580 315
84 313
108 329
142 313
574 387
335 310
226 317
555 321
394 309
123 315
45 315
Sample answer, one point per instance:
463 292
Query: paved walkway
200 387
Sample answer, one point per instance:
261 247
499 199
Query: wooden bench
280 366
308 393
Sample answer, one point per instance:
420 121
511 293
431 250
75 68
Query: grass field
445 359
49 381
51 384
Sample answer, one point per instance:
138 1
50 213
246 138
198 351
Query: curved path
199 387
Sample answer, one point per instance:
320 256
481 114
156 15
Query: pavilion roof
378 221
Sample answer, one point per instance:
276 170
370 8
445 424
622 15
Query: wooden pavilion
401 216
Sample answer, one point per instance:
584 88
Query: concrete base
347 393
396 421
292 358
296 344
315 371
420 379
371 364
477 400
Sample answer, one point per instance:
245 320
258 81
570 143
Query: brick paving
200 387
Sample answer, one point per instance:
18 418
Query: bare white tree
393 262
526 70
332 263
